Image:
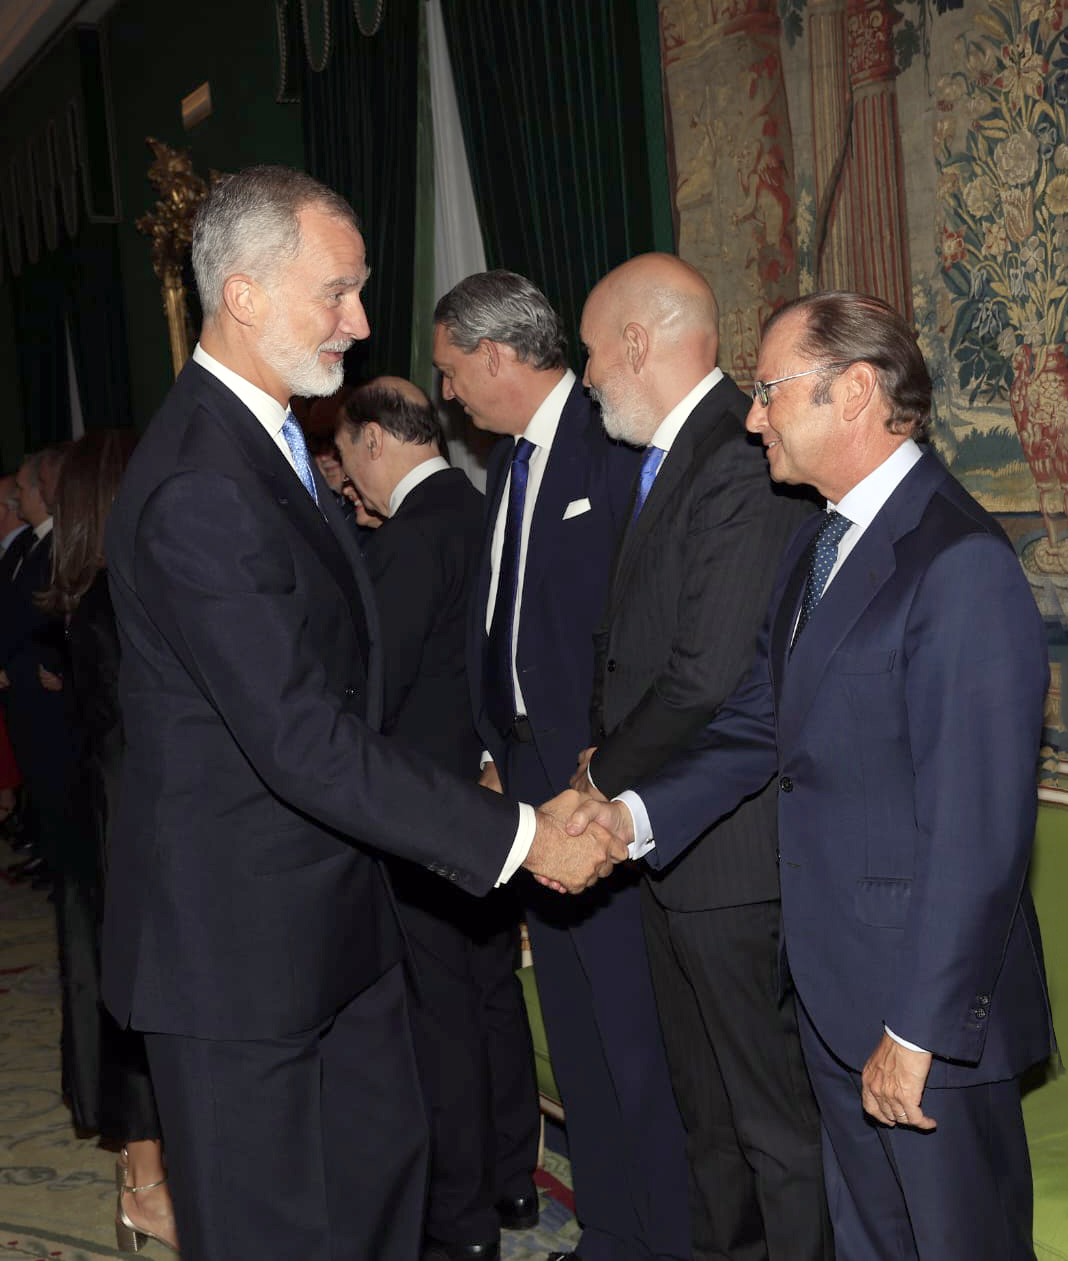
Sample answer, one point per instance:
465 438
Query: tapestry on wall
917 151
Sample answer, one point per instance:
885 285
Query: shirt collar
413 478
10 537
668 429
45 528
862 504
268 411
546 420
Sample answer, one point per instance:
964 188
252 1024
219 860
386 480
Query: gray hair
249 224
500 306
845 328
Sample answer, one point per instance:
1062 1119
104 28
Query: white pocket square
576 508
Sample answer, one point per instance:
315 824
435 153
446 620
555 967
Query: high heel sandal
131 1238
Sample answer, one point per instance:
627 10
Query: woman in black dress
104 1067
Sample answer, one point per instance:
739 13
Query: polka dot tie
822 557
294 437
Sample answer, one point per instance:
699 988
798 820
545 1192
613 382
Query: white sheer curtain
458 248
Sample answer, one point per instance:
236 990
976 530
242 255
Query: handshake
578 841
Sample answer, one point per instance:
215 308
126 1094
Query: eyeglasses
761 389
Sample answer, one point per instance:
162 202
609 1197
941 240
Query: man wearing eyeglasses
691 582
897 700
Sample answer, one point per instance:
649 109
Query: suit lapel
325 531
709 424
565 479
865 571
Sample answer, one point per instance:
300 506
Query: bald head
404 389
651 332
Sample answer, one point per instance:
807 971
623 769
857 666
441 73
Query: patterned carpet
57 1191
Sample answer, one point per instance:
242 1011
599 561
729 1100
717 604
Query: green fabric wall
158 54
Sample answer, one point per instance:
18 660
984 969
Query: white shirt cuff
524 839
485 759
643 830
589 776
909 1046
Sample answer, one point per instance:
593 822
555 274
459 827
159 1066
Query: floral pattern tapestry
918 151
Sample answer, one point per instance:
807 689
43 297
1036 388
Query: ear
857 387
490 353
372 435
635 346
243 299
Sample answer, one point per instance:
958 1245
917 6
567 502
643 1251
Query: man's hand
610 816
4 680
490 779
894 1078
581 781
49 681
560 862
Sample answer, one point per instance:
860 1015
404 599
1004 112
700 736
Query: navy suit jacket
565 585
243 900
904 728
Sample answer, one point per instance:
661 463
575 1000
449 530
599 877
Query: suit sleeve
975 687
220 583
733 547
730 759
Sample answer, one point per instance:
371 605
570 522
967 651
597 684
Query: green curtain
552 102
359 121
98 327
77 288
40 303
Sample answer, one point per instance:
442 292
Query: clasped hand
578 842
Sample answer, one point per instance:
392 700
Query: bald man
471 1034
691 583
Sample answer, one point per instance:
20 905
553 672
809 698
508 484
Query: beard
634 426
302 370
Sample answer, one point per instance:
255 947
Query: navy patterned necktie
294 437
500 690
822 557
651 462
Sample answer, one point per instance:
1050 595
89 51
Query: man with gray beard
249 928
691 582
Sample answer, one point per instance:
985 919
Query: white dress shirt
272 416
267 410
861 506
413 478
10 537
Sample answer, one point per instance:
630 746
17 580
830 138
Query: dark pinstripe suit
691 586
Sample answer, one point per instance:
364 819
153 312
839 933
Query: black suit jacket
565 581
423 565
691 584
239 905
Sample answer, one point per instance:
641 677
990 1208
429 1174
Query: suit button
778 856
610 667
786 784
979 1013
983 1000
601 732
350 692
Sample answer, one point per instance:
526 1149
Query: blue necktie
500 691
650 463
822 557
294 437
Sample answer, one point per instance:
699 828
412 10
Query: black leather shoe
462 1252
518 1212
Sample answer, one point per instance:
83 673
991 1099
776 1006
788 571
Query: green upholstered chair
1046 1089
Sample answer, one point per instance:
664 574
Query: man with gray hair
558 493
249 929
